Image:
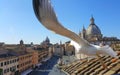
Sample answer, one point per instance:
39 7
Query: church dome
93 29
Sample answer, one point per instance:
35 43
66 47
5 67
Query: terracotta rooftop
93 67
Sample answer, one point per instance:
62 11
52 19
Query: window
5 71
10 61
15 60
8 70
5 63
17 66
1 64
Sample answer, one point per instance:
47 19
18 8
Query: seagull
46 15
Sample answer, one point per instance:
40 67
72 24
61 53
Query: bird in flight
46 15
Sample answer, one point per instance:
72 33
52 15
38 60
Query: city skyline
18 20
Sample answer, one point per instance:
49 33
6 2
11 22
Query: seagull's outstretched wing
47 17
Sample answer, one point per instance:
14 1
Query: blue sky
18 21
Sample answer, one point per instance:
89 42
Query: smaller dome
47 39
21 42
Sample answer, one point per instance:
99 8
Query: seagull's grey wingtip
36 4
